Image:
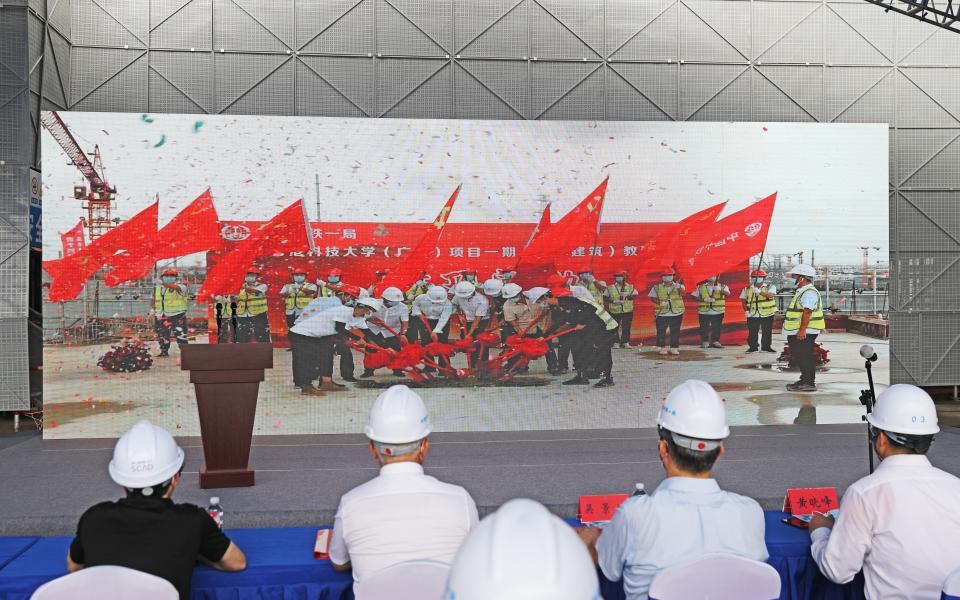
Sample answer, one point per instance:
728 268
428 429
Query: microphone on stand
219 310
233 321
868 397
867 352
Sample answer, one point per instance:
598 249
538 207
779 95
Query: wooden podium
226 378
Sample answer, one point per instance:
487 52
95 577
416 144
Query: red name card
321 548
599 508
806 501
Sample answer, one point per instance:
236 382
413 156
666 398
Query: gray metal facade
730 60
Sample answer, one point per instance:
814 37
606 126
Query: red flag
73 241
661 249
571 235
419 259
289 231
542 226
196 228
729 242
69 274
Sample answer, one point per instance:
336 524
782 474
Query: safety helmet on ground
906 409
437 294
535 293
804 271
299 271
510 290
694 413
398 416
371 303
493 287
255 270
172 272
349 290
145 456
334 273
758 273
464 289
522 552
393 294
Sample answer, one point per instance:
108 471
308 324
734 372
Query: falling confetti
146 118
163 140
197 125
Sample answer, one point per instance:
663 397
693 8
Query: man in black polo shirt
146 531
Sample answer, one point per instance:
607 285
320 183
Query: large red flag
729 242
542 226
73 241
69 274
196 228
573 235
289 231
420 257
661 249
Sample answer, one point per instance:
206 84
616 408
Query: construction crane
866 265
942 13
98 199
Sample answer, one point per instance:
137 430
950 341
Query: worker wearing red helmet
379 275
668 308
253 324
556 282
169 306
297 295
328 287
620 297
759 304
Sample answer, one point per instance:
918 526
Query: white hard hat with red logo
694 413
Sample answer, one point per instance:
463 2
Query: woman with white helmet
431 318
388 324
901 524
145 530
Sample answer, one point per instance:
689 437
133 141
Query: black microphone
868 353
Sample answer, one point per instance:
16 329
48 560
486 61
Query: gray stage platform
46 485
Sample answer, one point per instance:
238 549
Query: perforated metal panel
725 60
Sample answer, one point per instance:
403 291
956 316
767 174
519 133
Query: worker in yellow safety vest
297 295
253 325
667 299
711 298
169 306
802 324
595 287
328 288
620 297
759 304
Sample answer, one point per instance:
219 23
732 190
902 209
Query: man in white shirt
431 318
711 298
901 524
388 325
802 323
688 515
474 309
402 514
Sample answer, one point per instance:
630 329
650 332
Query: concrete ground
82 401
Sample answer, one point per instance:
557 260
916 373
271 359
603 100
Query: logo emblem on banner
235 233
753 229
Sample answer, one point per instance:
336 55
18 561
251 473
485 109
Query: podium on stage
226 378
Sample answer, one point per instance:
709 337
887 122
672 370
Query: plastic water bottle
216 511
639 491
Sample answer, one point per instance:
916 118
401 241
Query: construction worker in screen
328 288
759 304
667 298
418 288
169 306
522 551
348 295
620 297
593 336
388 325
802 324
297 295
379 276
711 298
471 276
596 288
252 322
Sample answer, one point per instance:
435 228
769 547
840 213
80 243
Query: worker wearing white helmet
475 309
688 515
387 325
596 288
522 552
524 317
802 323
145 530
402 514
431 318
901 524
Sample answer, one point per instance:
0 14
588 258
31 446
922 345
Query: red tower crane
98 199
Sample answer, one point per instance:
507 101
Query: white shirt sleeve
772 289
695 293
404 313
839 553
339 555
810 299
261 288
612 545
483 307
743 293
444 318
415 311
653 292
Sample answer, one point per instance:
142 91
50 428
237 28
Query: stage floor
82 401
49 483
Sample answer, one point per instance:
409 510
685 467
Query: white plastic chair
411 580
717 577
951 587
116 583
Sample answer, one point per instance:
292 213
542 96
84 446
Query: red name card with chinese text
594 509
806 501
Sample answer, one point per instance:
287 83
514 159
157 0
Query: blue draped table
281 566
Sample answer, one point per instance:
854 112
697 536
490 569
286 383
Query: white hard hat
581 293
904 408
437 294
398 416
804 270
493 287
393 294
535 293
145 456
510 290
522 552
364 293
464 289
693 410
371 303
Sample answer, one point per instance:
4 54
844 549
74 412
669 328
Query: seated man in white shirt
402 514
688 515
901 524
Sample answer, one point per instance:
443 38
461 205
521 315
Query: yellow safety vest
676 301
169 302
296 300
708 301
765 306
415 291
326 292
625 302
608 321
250 304
595 292
795 312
